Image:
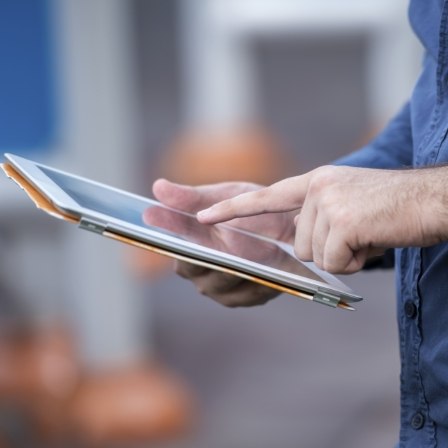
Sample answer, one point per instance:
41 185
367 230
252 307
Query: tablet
146 223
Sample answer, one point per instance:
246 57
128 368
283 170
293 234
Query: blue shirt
417 137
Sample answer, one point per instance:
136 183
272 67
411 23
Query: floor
290 374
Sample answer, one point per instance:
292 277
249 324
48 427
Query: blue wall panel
27 90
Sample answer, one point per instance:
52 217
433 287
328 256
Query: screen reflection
146 213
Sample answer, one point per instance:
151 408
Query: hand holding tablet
226 289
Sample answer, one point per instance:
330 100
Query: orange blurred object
245 155
37 363
41 377
143 403
39 372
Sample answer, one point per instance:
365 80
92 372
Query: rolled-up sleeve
392 148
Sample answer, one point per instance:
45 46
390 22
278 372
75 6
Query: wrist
432 204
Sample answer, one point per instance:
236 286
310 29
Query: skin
226 289
346 215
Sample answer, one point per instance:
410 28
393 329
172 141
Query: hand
348 214
224 288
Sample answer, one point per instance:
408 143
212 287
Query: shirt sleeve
392 148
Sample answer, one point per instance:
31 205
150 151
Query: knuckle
210 287
237 188
265 194
228 303
231 207
188 270
239 300
341 219
251 295
261 195
324 176
330 202
318 261
202 289
250 187
181 268
332 262
331 268
225 299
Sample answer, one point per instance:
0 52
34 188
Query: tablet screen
146 213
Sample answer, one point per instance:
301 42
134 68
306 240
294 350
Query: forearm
431 191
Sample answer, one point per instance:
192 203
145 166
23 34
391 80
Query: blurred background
101 345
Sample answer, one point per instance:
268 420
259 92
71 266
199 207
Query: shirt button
418 421
410 309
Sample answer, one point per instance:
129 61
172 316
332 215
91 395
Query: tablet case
44 204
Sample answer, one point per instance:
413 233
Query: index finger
283 196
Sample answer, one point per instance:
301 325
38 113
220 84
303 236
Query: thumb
181 197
